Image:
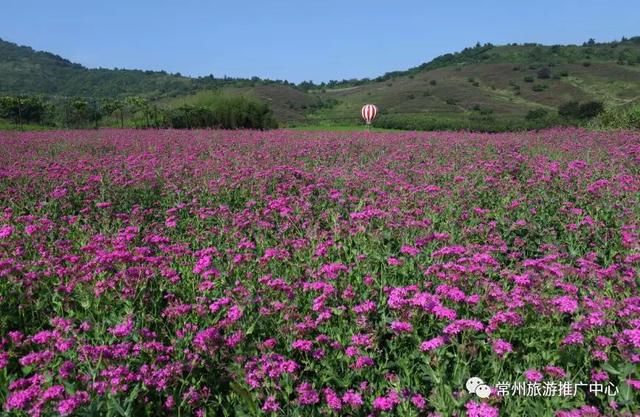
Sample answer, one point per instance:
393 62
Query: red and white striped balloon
369 112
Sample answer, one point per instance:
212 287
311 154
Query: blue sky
298 40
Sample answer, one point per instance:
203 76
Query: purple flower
432 344
333 401
401 327
461 325
123 329
555 371
575 338
418 401
352 398
566 304
270 405
394 261
475 409
68 406
383 403
409 250
307 395
502 347
6 231
302 345
533 375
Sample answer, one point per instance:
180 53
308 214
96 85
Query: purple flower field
242 273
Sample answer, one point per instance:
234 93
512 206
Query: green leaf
246 397
607 367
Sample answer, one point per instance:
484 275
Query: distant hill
483 81
26 71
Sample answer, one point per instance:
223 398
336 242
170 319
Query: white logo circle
473 383
483 391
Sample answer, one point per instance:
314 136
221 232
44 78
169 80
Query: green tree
111 106
570 109
23 109
590 109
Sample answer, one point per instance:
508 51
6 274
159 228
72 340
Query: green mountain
26 71
486 81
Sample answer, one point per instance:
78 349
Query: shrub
570 109
528 79
620 118
433 82
586 64
590 109
536 114
225 113
544 73
539 87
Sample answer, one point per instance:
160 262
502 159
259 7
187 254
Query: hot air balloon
369 112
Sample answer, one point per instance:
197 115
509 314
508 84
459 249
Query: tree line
135 111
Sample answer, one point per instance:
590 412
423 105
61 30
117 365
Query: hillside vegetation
485 87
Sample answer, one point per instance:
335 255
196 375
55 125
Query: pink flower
394 261
418 401
307 395
632 337
170 402
603 341
409 250
333 401
363 362
302 345
566 304
58 193
68 406
171 222
332 271
461 325
475 409
270 405
202 265
6 231
502 347
575 338
384 403
352 398
599 375
122 329
432 344
555 371
401 327
533 375
362 340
